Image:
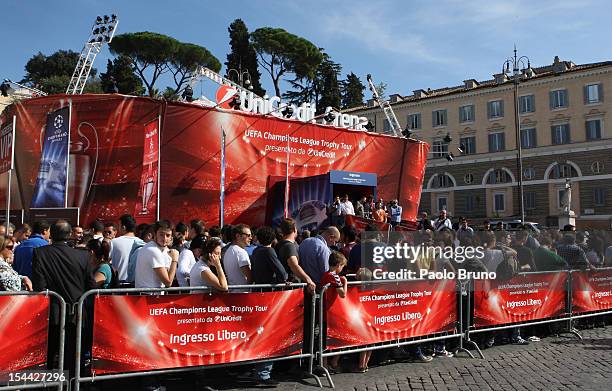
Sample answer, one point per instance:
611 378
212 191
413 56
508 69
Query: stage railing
116 308
28 316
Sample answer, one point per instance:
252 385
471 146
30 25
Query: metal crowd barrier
586 314
322 353
78 378
62 335
565 317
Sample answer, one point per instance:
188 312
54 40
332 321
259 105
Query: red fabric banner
390 311
136 333
591 290
6 147
24 326
106 146
523 298
146 207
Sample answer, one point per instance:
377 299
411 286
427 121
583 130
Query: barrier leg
320 352
570 295
461 348
311 341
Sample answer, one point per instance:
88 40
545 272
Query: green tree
381 89
322 88
126 81
281 52
352 91
150 54
242 56
330 87
52 73
186 60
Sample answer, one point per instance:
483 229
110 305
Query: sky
408 45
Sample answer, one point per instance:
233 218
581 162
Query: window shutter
535 137
532 103
491 143
552 99
553 139
503 142
566 98
600 88
585 91
489 109
501 108
433 119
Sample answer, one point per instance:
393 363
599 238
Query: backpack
508 267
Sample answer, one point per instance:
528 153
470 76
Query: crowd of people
366 207
72 260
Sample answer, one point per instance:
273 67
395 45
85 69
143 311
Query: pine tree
243 56
352 91
127 82
330 87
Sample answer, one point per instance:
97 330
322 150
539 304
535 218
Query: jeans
262 370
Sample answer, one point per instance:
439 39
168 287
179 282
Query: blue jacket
23 254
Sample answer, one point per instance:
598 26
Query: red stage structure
112 170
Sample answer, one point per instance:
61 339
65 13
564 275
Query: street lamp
241 80
516 63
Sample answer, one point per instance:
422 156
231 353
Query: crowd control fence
140 332
25 331
381 314
590 293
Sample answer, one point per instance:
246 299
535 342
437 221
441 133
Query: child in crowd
337 287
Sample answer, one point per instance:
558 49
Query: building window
467 145
499 202
528 138
599 196
526 104
499 176
529 173
470 203
442 203
466 113
593 129
497 142
386 125
495 109
442 181
439 118
564 170
596 167
468 178
414 121
558 99
560 134
593 93
530 200
440 149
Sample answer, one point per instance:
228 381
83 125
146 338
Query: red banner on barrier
591 290
24 327
523 298
136 333
390 311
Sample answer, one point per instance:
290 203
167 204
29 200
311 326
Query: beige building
566 132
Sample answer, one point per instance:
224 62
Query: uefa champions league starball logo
58 121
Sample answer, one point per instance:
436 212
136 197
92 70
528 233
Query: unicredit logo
225 95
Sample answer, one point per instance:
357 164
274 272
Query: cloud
379 29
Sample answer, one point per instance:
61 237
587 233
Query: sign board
352 178
53 214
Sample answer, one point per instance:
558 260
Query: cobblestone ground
555 363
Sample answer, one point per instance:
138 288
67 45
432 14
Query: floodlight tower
102 32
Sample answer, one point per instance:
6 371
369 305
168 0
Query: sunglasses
108 232
9 247
246 234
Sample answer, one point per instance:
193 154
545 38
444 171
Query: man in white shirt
236 262
395 213
122 246
442 222
346 206
156 263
